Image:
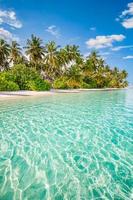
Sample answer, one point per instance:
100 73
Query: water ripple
76 146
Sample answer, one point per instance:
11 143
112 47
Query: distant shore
18 94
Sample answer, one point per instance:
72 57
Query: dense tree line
40 67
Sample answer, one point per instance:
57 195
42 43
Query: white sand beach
20 94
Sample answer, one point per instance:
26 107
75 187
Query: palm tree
95 60
74 73
22 60
107 68
4 55
15 52
72 53
52 60
124 74
115 71
100 77
35 51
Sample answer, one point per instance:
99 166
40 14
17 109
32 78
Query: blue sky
106 25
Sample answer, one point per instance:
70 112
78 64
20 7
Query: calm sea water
67 146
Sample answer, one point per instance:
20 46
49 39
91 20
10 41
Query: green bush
89 82
26 78
60 83
73 84
38 85
69 83
66 83
86 85
114 83
21 74
7 85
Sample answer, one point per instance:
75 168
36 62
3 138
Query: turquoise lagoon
67 146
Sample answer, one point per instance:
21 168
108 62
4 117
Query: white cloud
121 47
9 17
128 23
6 35
128 57
53 31
126 17
104 41
129 11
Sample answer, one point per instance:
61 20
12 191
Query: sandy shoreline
20 94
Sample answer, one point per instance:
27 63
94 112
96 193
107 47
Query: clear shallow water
67 146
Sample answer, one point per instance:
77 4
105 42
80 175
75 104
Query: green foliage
66 83
60 83
35 51
64 67
86 85
4 55
7 85
89 82
72 79
75 73
38 85
21 74
73 84
26 78
15 52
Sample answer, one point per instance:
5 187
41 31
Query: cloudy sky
104 25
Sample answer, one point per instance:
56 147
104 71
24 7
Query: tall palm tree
115 70
35 51
72 53
107 68
124 74
15 52
74 72
4 55
51 60
95 60
75 52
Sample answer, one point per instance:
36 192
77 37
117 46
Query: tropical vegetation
41 67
